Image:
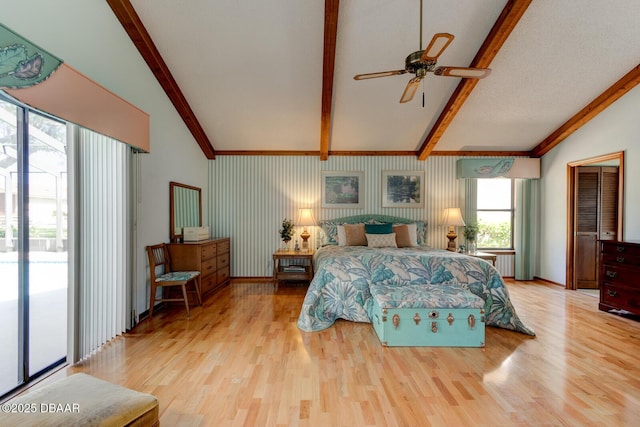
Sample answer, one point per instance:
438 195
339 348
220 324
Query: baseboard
548 281
256 279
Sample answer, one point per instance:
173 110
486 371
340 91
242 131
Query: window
495 213
47 237
33 244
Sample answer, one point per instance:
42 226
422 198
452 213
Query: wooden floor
241 361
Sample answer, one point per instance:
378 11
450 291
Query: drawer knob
612 293
434 327
620 259
612 274
620 248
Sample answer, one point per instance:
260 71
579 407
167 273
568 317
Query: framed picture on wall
341 189
402 189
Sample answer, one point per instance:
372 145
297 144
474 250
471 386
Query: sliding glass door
10 308
33 244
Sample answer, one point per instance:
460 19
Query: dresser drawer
621 259
209 251
618 249
209 267
223 275
223 261
620 275
208 283
223 247
619 297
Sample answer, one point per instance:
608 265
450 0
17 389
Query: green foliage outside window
35 232
494 235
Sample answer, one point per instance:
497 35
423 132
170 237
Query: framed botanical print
341 189
402 189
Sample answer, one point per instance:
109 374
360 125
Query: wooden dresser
210 257
620 276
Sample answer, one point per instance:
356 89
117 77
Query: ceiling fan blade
380 74
467 73
410 90
437 45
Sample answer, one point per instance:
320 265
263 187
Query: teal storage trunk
427 316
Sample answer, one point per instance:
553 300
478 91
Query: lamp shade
452 216
305 217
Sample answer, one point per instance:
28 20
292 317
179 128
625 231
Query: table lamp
452 217
305 219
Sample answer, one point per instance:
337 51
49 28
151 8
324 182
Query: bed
344 272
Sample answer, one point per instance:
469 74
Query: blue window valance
498 167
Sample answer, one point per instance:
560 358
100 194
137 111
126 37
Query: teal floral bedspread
343 274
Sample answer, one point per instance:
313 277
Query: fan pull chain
422 93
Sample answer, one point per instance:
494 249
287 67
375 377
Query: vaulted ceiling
276 77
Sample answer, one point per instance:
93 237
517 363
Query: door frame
571 209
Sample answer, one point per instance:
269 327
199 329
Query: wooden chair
159 259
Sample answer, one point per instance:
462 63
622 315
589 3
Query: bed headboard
330 231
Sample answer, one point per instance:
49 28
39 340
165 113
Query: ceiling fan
422 62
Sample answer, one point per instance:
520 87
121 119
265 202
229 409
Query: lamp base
305 237
451 235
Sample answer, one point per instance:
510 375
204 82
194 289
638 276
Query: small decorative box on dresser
210 257
620 276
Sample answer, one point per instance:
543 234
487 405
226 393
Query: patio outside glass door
33 245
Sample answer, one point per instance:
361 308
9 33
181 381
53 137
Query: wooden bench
81 400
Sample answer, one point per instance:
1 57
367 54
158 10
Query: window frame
512 215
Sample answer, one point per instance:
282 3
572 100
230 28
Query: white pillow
413 233
382 240
342 237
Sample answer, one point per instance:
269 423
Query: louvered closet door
609 203
586 221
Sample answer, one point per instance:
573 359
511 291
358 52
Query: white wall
615 129
88 37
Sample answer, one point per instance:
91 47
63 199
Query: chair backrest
158 257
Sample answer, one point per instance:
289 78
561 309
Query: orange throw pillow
403 239
355 235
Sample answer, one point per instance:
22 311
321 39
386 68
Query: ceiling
277 77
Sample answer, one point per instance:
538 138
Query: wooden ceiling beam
595 107
328 67
506 22
126 14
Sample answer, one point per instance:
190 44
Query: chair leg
152 299
197 284
184 294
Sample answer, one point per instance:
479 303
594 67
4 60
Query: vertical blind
103 252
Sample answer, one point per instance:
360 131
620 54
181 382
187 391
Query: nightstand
292 270
485 256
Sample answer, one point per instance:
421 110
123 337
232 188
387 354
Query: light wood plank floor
241 361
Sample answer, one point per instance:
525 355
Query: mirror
185 209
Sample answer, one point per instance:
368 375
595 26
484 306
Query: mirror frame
175 237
